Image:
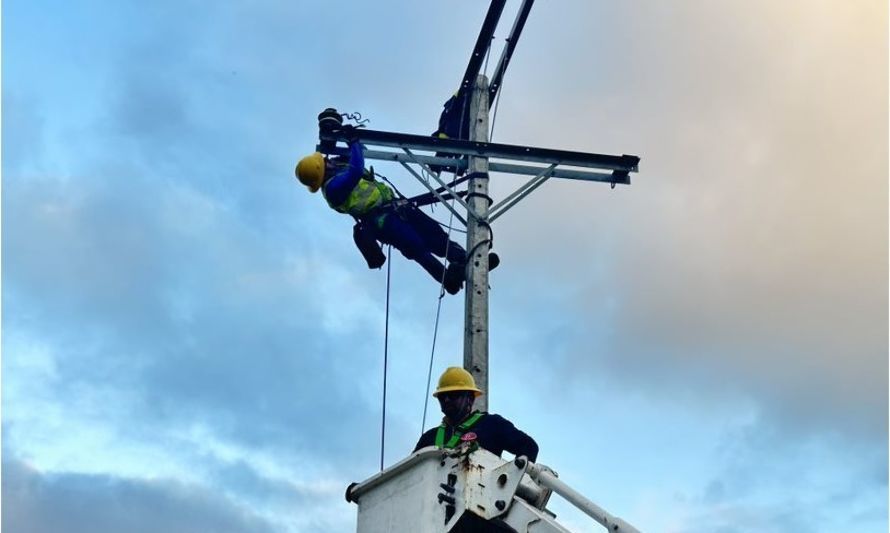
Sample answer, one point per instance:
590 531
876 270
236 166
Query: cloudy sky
190 341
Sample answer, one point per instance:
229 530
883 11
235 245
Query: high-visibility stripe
365 196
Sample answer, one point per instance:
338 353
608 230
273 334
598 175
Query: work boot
493 261
454 277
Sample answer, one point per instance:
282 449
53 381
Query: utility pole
478 244
468 153
479 487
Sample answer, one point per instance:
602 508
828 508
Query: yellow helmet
457 379
310 171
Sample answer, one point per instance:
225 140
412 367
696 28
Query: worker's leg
434 236
403 236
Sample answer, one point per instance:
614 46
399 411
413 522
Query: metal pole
478 245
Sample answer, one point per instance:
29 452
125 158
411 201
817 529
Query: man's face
456 405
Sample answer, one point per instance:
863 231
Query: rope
429 374
385 355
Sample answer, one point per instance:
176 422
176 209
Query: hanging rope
385 355
429 374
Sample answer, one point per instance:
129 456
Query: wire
497 101
429 374
487 55
385 355
458 230
494 116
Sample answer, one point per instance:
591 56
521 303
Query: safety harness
371 201
458 432
367 195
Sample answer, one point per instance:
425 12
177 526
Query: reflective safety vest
367 195
458 432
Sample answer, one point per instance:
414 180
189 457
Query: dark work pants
419 237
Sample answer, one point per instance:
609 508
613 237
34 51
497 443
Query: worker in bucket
351 189
456 393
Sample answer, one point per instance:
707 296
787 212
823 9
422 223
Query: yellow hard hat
310 171
456 378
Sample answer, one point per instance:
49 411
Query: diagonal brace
437 194
501 207
443 186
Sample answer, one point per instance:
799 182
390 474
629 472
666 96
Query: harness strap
458 431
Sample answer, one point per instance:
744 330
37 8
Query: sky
191 342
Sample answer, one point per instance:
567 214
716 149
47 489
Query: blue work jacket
494 433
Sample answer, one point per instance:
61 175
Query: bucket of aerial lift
452 491
467 490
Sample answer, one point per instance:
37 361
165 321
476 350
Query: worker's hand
350 132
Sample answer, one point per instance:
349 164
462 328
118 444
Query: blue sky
191 342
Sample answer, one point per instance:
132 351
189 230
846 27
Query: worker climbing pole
380 214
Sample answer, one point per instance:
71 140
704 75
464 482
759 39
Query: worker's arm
514 440
427 439
337 189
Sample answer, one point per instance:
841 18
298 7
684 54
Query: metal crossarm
518 24
460 165
622 163
483 42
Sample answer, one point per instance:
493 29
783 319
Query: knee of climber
411 252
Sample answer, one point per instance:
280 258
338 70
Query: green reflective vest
367 195
458 432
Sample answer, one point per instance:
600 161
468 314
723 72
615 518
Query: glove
350 132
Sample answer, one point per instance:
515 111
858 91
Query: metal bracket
501 207
435 176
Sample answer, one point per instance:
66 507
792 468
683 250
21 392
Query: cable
429 374
458 230
497 101
385 354
494 116
487 55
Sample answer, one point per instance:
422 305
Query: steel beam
439 196
622 163
499 208
493 166
442 184
483 42
512 39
